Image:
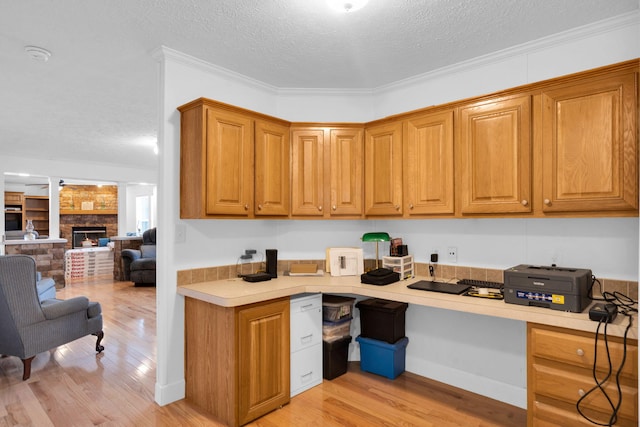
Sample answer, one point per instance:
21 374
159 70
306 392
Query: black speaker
272 262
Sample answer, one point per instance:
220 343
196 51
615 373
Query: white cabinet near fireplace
88 263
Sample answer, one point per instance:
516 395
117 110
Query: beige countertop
32 242
125 237
236 292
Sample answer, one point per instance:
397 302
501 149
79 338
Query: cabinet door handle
246 207
259 207
547 202
524 202
397 207
306 338
334 207
580 352
304 307
306 376
320 208
410 205
580 392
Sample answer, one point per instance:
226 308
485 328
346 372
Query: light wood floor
72 386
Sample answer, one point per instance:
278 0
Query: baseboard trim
169 393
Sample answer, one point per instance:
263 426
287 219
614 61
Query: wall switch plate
180 233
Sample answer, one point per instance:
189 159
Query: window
143 210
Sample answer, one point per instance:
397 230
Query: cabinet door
307 172
263 358
428 164
12 198
383 169
229 163
590 146
495 157
272 169
346 171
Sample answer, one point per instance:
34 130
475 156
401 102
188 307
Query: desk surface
236 292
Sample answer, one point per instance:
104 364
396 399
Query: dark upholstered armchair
28 326
139 266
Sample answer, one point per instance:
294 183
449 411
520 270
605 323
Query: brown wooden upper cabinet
562 147
383 169
326 172
590 146
216 161
272 179
428 164
494 159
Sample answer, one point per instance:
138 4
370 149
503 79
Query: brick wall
49 258
119 245
102 197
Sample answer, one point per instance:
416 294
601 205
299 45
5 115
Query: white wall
443 345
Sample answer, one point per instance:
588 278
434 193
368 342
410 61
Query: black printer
558 288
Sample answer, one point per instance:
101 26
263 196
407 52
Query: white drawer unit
306 342
402 265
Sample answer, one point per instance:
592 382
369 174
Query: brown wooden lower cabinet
560 371
237 358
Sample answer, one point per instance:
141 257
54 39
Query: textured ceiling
96 98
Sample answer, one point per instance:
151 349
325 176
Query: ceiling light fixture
346 6
37 53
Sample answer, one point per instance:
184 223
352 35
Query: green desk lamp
376 237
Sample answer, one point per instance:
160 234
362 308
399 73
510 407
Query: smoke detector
345 6
37 53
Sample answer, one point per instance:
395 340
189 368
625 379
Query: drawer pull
306 338
580 352
306 376
304 307
580 392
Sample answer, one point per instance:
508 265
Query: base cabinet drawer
552 414
306 369
560 372
570 386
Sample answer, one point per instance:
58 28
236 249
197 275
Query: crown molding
607 25
163 53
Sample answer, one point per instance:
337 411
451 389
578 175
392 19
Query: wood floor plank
73 386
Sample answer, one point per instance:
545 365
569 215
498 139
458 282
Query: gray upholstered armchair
139 266
29 327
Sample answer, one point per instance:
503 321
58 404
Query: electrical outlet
452 253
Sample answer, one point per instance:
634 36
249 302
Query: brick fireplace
90 221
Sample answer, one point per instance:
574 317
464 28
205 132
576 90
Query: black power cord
627 307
